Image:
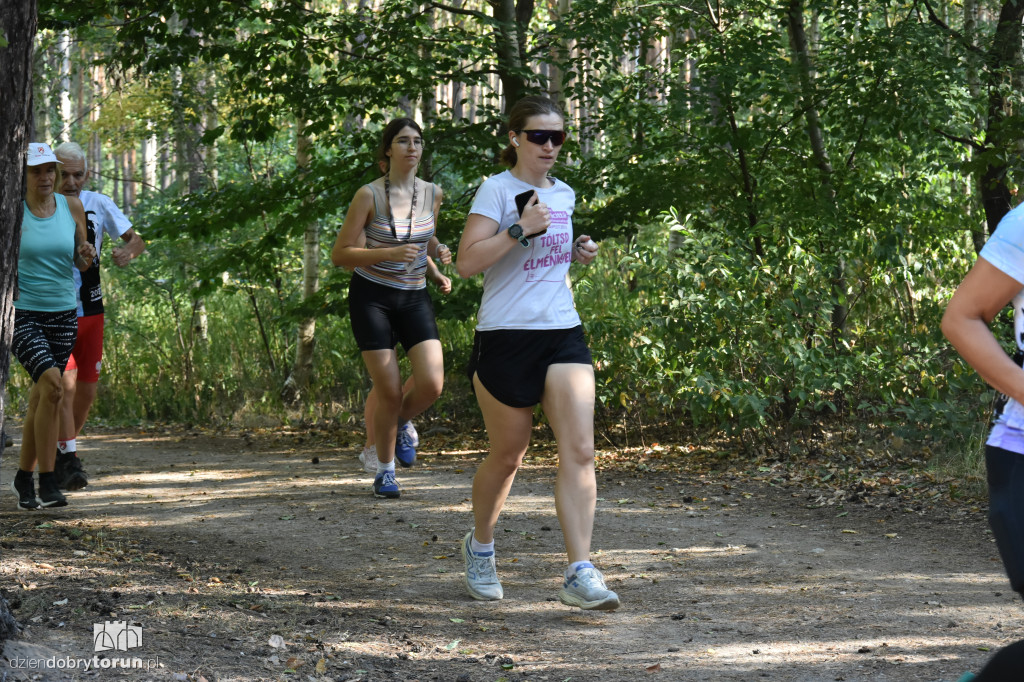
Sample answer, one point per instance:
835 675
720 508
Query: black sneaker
25 490
49 494
58 467
69 473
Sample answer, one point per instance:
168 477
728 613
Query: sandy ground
263 556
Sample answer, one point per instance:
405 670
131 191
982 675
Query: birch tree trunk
211 121
560 56
188 132
149 164
458 88
164 163
117 191
132 185
66 114
40 101
18 28
298 380
98 94
428 105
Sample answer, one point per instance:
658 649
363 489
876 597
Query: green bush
686 323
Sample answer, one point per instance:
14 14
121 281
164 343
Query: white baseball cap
40 153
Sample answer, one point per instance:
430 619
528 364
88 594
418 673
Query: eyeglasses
416 142
541 137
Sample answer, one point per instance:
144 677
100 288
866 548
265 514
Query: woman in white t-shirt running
529 348
997 279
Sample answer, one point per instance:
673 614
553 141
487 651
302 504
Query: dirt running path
266 558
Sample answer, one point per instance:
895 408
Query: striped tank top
378 235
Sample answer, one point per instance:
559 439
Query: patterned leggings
44 340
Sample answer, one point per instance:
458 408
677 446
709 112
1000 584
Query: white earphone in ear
515 142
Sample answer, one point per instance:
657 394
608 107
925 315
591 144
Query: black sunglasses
541 137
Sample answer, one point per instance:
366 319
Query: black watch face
516 231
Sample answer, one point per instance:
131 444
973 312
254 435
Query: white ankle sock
479 547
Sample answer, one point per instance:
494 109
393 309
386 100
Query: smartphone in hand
521 201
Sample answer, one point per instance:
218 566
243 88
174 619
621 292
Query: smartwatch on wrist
516 232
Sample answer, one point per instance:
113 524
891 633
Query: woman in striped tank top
386 238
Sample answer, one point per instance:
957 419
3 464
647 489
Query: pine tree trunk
973 68
508 50
1003 57
18 27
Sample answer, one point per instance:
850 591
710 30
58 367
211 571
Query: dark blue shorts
512 364
383 317
44 340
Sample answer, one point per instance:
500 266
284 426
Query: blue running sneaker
405 444
385 485
586 589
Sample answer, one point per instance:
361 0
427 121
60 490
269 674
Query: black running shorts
512 364
383 317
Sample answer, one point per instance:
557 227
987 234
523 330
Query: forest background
785 195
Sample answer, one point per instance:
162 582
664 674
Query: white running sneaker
481 575
414 436
586 589
368 458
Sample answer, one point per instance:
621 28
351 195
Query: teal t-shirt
45 282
